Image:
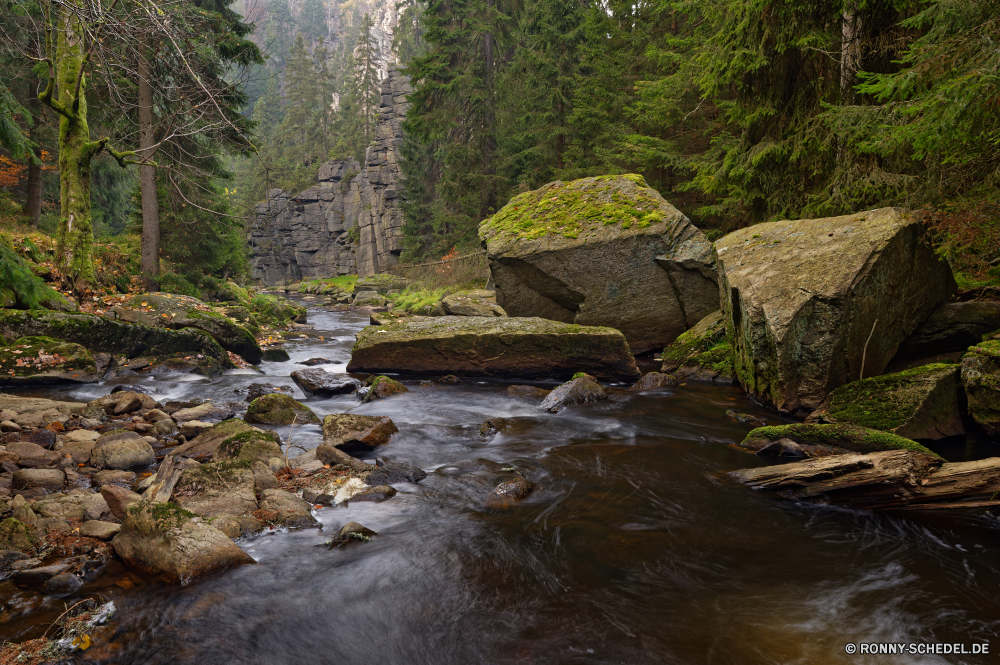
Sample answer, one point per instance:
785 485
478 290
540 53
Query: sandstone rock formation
807 302
605 251
350 221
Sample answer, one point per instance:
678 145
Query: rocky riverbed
548 530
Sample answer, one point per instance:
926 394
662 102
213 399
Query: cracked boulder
604 251
808 302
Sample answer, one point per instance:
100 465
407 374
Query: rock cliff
309 235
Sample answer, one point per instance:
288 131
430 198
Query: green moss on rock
847 437
45 360
573 208
277 409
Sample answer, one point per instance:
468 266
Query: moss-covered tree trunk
75 241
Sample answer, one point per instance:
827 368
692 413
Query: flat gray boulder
504 347
605 251
122 451
807 301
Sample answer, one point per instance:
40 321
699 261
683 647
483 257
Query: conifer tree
366 82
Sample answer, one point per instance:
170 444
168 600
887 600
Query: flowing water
634 549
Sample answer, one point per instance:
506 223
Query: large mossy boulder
176 312
702 353
829 439
954 326
205 445
807 301
277 311
919 403
165 540
251 446
278 409
605 251
99 334
504 347
981 378
45 361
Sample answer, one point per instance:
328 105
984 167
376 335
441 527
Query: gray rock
293 512
204 412
122 451
118 499
607 251
353 532
62 584
476 302
954 326
377 494
317 381
26 479
216 489
112 477
801 300
99 530
575 391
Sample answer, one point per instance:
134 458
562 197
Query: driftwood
894 479
166 477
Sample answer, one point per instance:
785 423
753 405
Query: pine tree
365 79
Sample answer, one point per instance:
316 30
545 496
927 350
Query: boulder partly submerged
602 251
981 378
807 302
829 439
918 403
702 353
493 346
167 541
99 334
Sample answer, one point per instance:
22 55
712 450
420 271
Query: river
634 549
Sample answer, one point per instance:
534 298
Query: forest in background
738 112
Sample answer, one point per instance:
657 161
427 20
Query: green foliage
112 192
19 286
12 137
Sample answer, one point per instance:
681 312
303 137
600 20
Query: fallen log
888 480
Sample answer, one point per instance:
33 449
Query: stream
634 549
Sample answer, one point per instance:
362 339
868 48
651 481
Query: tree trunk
850 55
150 261
75 240
33 199
889 480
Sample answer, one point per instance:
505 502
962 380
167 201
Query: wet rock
123 402
217 488
449 380
118 499
111 477
981 379
517 488
783 448
312 362
122 451
578 390
918 403
278 409
8 557
250 446
820 440
32 578
802 298
49 479
43 437
954 326
389 473
169 542
353 532
533 393
41 360
62 584
476 302
346 429
255 390
293 512
381 387
16 535
606 251
377 494
701 353
318 381
496 346
276 355
654 381
203 412
745 418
